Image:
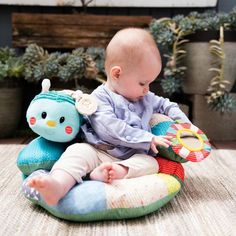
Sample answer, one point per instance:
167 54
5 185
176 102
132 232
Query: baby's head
132 62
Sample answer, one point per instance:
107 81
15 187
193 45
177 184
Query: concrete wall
226 5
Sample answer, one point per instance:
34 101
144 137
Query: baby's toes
105 175
33 182
112 174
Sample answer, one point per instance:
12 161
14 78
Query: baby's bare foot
48 187
107 172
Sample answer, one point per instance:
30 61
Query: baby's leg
135 166
108 171
140 165
54 186
75 162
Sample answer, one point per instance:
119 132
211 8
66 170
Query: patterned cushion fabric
39 154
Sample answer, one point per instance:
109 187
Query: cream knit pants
81 158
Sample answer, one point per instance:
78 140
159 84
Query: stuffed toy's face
53 120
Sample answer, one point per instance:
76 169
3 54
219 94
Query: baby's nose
146 89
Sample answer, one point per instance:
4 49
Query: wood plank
73 31
70 31
49 42
79 19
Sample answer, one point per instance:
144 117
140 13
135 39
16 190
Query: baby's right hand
163 141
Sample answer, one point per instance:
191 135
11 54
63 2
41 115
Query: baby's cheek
32 120
68 129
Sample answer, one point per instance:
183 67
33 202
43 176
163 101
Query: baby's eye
44 115
62 119
142 84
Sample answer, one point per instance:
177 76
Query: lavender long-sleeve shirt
125 125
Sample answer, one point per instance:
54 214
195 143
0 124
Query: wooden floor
206 205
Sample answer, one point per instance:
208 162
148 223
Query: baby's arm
117 132
113 130
171 109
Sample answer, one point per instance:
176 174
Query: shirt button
131 107
128 138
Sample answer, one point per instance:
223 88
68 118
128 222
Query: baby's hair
127 47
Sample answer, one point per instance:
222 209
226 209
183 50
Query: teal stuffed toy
56 116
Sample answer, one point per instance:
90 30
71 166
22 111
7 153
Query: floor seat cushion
125 198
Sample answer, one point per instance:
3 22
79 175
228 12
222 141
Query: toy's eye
62 119
44 115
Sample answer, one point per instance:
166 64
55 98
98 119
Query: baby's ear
87 105
116 72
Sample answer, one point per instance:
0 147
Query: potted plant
207 68
66 67
11 76
170 37
218 96
199 58
187 66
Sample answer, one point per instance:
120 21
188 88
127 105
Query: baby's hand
163 141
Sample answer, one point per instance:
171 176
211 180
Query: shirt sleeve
116 131
171 109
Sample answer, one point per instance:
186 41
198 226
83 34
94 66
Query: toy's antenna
46 84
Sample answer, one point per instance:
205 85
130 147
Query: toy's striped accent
56 96
171 168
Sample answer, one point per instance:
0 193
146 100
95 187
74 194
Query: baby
119 143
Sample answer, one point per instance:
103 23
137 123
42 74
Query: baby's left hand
163 141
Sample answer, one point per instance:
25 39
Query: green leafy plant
98 55
40 64
170 35
11 65
173 72
219 98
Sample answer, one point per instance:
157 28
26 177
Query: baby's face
134 83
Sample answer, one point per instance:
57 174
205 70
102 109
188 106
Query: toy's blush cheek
68 129
32 120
